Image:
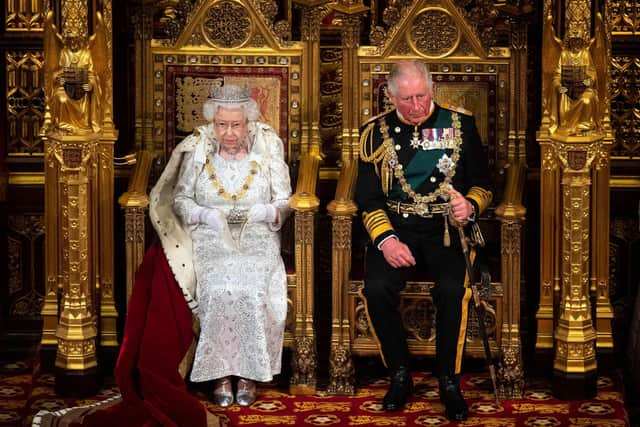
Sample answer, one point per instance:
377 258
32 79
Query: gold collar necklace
245 185
398 169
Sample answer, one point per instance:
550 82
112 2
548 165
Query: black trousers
451 295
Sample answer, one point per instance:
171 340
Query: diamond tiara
230 94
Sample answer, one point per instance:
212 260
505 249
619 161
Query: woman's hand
262 213
213 218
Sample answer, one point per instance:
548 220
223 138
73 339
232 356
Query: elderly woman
230 192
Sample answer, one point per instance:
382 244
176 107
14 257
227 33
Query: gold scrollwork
227 25
434 33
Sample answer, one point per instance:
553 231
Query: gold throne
477 78
234 42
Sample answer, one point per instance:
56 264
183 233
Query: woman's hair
402 68
231 97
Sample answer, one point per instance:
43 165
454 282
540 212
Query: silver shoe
246 393
223 393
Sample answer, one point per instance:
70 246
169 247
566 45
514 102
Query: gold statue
74 70
574 83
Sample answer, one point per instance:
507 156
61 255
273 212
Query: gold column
105 191
510 211
48 341
76 363
511 214
351 14
600 246
305 205
103 239
144 83
311 68
549 245
575 337
574 137
79 135
135 202
342 208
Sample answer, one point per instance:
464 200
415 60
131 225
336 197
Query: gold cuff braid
376 223
482 198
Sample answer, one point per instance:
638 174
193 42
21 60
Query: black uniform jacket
378 182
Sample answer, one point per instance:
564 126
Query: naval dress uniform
404 175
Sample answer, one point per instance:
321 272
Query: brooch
445 164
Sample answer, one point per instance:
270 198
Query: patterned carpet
24 392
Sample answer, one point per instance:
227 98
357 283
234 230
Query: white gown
240 276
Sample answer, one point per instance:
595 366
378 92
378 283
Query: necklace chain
245 185
398 169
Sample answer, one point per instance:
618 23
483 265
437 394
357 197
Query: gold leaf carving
227 25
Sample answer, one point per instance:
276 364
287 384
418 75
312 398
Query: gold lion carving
341 370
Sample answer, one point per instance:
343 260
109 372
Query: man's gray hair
231 97
404 67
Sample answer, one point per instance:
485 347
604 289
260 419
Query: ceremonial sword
480 311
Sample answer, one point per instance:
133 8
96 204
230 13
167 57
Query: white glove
262 213
213 218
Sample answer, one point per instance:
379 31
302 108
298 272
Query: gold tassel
447 238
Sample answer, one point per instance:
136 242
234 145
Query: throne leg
341 372
304 363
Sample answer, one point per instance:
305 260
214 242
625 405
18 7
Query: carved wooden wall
21 179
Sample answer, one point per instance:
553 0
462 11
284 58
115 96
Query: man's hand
397 254
461 208
262 213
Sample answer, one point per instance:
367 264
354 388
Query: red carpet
538 408
22 395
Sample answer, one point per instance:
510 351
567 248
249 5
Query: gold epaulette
374 118
455 108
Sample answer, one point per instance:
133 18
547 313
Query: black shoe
455 407
400 389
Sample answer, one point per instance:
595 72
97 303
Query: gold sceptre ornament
479 307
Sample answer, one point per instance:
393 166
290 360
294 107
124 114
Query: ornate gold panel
24 265
25 102
331 80
625 17
418 316
625 93
24 16
434 33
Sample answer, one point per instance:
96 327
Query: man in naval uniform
421 171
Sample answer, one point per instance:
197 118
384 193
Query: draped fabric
158 337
